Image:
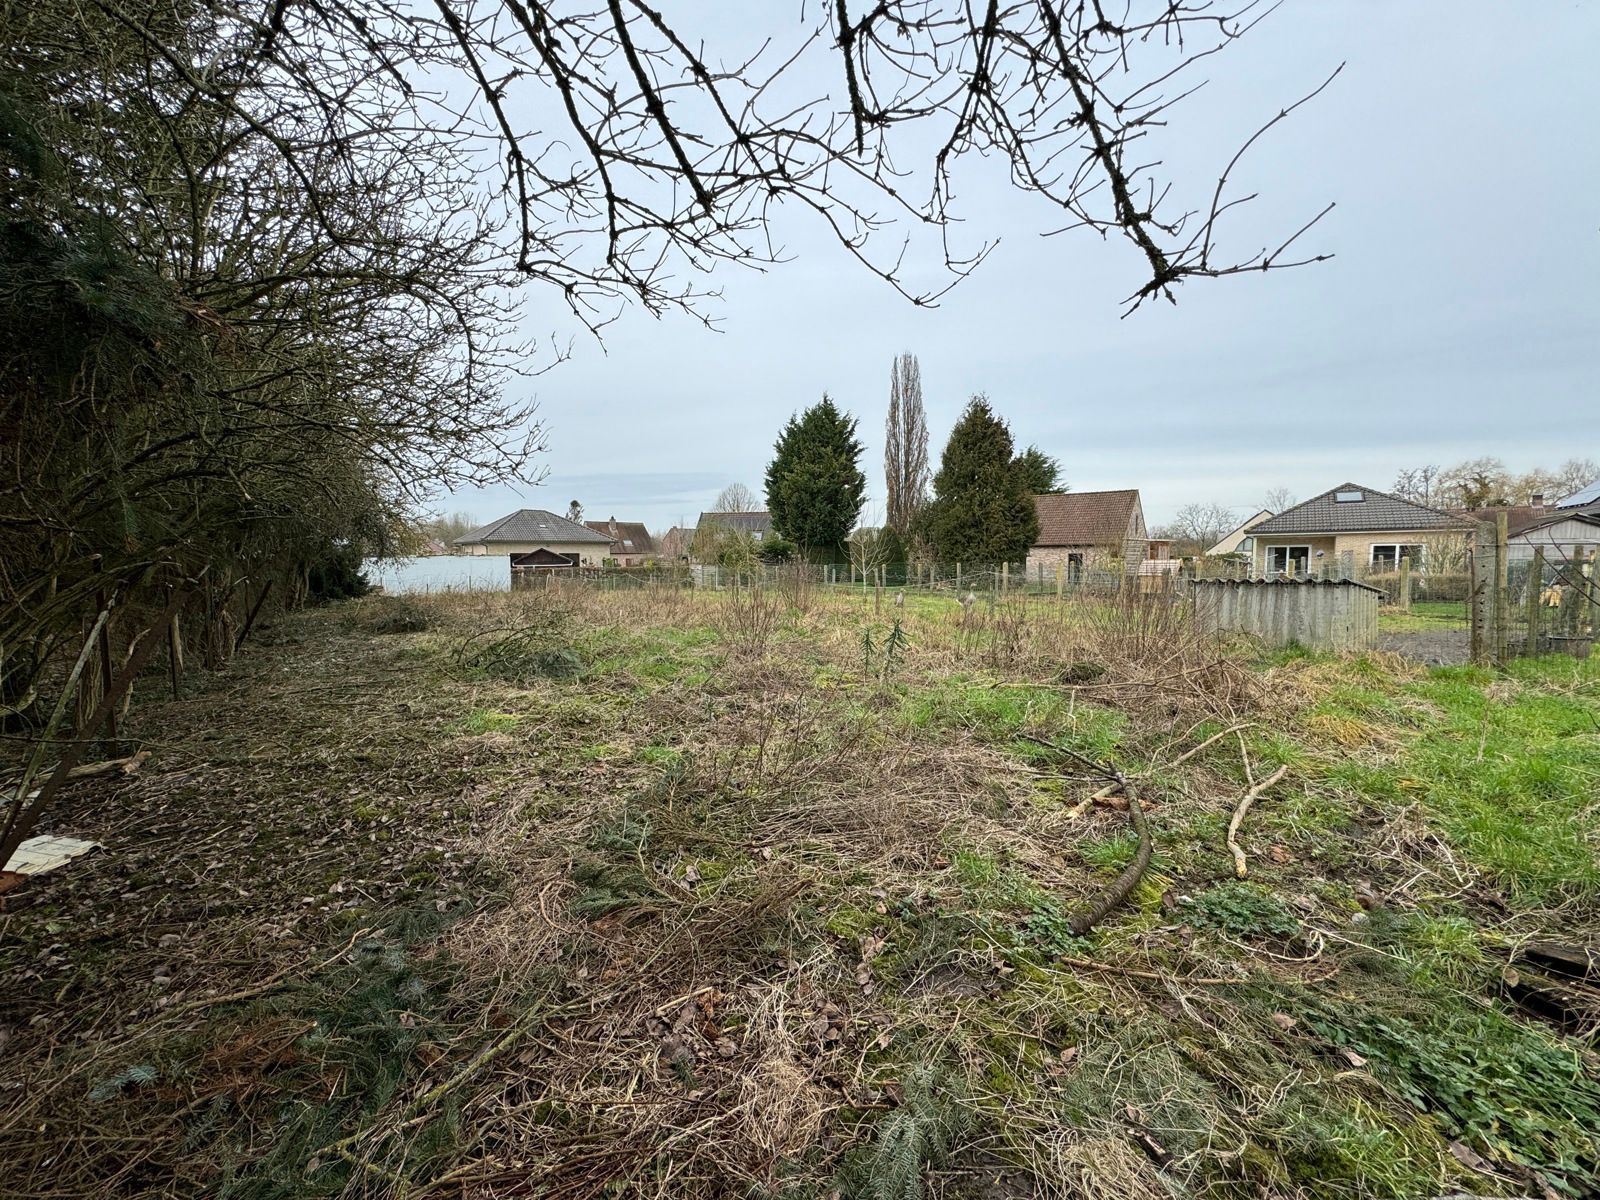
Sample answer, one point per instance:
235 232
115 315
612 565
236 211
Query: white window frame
1288 557
1397 547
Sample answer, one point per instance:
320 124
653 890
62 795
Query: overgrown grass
754 921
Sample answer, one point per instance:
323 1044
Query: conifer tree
982 509
815 486
1042 471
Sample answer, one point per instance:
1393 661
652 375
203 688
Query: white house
533 537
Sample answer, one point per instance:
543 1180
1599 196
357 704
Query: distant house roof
1085 518
1583 498
627 537
745 522
1354 508
675 541
1231 540
531 525
1524 518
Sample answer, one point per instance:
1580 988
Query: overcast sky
1458 317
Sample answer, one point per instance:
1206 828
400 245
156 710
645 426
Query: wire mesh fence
1532 597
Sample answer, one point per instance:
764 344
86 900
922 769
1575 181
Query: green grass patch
488 720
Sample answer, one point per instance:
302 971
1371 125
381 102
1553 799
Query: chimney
1538 502
613 529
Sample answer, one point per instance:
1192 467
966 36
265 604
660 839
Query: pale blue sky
1458 318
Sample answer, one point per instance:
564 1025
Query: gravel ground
1436 647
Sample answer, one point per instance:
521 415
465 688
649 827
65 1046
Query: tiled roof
1374 512
532 525
1085 518
627 537
747 522
1521 518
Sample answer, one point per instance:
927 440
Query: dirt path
1433 647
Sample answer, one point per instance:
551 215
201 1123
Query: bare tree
905 450
1278 499
1573 476
1420 485
1477 483
1194 527
735 498
635 152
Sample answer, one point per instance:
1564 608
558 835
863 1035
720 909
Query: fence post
1502 591
1061 578
1535 589
1405 583
1005 578
1586 582
958 576
1475 604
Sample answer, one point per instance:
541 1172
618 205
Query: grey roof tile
747 522
532 525
1375 512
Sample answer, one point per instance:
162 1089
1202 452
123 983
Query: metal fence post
1530 645
1502 591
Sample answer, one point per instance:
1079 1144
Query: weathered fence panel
1321 614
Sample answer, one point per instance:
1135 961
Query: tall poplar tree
815 487
905 448
982 509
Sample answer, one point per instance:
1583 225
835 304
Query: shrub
391 614
336 576
540 649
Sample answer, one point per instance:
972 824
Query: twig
267 985
1089 964
679 1002
127 766
1240 870
1122 886
1111 789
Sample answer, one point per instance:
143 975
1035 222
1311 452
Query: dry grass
694 921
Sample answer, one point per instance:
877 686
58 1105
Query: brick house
631 543
674 543
1089 531
1353 529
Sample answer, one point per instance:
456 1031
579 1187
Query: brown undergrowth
577 895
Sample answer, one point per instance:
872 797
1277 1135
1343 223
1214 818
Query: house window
1348 497
1282 560
1386 556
